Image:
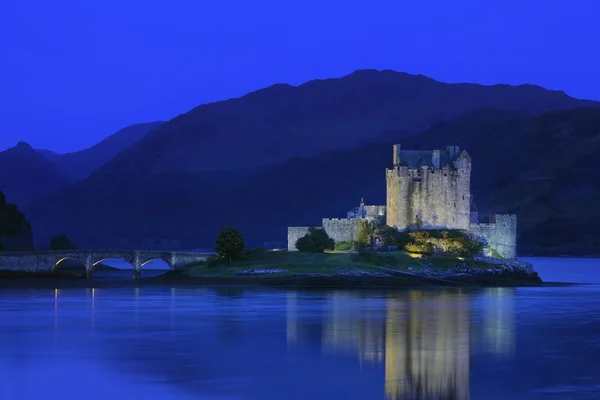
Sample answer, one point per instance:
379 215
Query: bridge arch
69 264
113 262
156 263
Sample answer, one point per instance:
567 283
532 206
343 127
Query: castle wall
341 229
295 233
500 234
438 198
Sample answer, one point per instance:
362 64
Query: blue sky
75 71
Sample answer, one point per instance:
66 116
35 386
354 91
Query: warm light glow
415 255
461 258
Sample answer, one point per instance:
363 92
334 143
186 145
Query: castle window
416 179
454 205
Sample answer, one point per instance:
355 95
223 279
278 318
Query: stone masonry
429 188
341 229
500 234
49 261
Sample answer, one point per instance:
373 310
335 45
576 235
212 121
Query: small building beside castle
426 189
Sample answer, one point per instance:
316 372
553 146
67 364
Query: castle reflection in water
423 339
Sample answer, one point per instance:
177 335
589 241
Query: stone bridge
50 260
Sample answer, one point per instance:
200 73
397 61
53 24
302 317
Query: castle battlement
430 189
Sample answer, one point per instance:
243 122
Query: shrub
446 242
61 243
365 232
229 244
315 241
391 237
425 249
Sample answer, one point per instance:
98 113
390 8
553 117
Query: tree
229 244
365 232
315 241
61 243
12 221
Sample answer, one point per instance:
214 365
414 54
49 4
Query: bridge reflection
423 339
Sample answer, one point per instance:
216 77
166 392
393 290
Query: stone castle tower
429 188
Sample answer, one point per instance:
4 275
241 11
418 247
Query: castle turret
397 148
452 151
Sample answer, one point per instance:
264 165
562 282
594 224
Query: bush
391 237
315 241
444 242
229 244
61 243
425 249
365 232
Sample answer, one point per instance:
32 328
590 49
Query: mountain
79 165
25 175
281 122
291 155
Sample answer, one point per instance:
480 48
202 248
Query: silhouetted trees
230 244
12 221
61 243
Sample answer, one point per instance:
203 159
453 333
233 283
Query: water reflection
416 344
499 320
423 339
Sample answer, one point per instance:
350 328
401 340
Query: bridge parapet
49 260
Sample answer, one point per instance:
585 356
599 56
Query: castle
429 189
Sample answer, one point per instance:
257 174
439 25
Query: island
355 269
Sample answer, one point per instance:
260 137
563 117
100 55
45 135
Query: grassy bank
339 268
327 264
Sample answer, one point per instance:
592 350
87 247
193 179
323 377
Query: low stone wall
341 229
501 234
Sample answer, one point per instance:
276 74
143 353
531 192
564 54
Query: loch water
233 343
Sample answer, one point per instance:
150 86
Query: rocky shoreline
500 273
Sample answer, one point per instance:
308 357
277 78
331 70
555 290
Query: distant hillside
25 175
80 164
281 122
541 167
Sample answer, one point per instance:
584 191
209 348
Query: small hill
25 175
79 165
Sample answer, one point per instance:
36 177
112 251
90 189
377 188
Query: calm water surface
222 343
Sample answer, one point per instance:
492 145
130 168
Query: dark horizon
80 72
